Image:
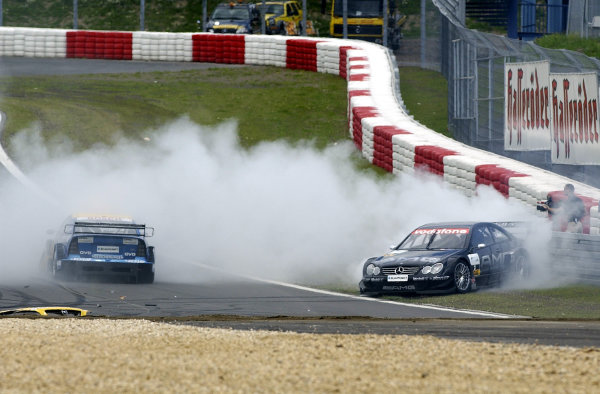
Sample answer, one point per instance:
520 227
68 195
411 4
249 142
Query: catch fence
473 64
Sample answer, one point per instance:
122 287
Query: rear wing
109 229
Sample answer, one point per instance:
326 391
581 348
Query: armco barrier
575 257
377 122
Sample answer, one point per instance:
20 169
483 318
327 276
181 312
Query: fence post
490 100
475 92
385 23
75 15
423 33
142 13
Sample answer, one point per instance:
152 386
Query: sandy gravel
77 355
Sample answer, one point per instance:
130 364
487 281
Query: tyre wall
378 124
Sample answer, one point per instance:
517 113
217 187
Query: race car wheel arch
462 277
60 252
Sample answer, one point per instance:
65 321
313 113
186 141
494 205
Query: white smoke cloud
276 211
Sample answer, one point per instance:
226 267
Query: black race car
447 257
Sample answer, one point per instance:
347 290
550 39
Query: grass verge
587 46
569 302
269 102
425 94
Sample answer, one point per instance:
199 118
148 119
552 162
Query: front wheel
462 277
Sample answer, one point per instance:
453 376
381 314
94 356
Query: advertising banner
575 125
527 106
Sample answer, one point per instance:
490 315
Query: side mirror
476 247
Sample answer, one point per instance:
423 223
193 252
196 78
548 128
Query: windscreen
234 13
276 9
435 238
360 8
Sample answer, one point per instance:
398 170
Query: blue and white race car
101 246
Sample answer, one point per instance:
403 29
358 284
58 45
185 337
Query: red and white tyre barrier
378 124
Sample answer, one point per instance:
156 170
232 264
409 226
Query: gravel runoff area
104 355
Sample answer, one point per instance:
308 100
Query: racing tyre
521 268
146 277
462 277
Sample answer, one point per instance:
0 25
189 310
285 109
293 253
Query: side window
288 10
481 235
499 235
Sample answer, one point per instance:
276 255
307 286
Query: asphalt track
246 303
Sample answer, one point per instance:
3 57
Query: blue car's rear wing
140 230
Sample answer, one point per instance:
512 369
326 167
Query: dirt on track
102 355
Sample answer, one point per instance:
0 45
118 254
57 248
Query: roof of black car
450 224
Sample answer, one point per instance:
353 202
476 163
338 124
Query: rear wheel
146 277
521 268
462 277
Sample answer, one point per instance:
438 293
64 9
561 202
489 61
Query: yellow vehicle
46 311
283 17
365 21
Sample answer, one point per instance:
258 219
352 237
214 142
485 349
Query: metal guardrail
473 64
576 257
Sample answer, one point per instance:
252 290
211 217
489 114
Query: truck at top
365 20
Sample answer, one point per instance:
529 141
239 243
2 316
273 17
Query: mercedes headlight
437 268
432 269
372 269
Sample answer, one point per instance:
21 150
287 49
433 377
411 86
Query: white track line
12 168
368 299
